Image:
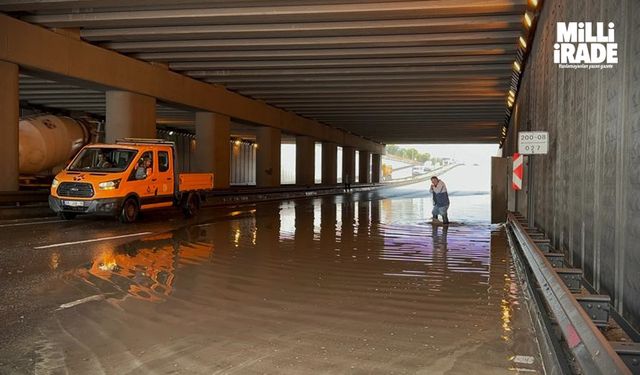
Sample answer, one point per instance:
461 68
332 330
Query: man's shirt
440 195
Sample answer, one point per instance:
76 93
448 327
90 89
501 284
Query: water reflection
304 226
54 260
287 220
342 228
324 284
363 220
439 236
145 269
329 223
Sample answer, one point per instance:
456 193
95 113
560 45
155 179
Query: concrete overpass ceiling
392 71
60 96
50 95
63 97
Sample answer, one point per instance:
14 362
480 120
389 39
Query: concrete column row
132 115
214 130
369 165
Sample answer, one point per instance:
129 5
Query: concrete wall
586 191
243 163
185 149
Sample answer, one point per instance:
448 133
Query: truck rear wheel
130 210
191 206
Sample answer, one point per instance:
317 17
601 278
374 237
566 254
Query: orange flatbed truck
125 178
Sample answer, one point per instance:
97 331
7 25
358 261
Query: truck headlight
109 185
55 183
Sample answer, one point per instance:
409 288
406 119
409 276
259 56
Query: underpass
241 145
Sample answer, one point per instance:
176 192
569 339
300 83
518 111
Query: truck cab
125 178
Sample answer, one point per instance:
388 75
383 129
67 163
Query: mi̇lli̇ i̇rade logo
585 45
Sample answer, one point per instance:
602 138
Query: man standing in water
440 200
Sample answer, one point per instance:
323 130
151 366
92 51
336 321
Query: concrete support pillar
329 163
376 165
130 115
365 167
348 164
268 157
305 160
9 119
212 147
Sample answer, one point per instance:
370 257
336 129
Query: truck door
144 177
157 197
165 181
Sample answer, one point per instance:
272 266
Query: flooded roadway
357 283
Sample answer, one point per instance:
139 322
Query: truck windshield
102 159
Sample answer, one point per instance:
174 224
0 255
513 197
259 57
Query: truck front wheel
130 210
191 206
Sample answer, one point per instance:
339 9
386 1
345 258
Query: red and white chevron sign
517 171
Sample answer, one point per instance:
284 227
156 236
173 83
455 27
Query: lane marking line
97 297
523 359
93 240
31 223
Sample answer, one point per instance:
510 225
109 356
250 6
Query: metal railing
21 198
18 198
591 350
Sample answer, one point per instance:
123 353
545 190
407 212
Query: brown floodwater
359 283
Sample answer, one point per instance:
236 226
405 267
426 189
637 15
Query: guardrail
18 198
250 190
591 350
12 199
426 175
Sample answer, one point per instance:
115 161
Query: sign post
529 143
